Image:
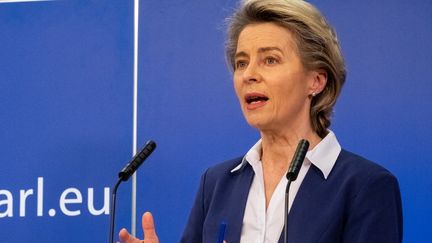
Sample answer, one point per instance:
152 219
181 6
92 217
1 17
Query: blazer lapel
303 210
241 183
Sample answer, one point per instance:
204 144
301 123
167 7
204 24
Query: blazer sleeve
375 214
194 227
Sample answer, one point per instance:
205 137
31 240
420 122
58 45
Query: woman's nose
252 73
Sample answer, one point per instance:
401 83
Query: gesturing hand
148 228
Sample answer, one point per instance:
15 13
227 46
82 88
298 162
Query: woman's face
270 81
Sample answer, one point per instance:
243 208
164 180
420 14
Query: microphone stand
112 210
286 211
291 176
124 175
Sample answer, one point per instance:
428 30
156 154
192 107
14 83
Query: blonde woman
288 72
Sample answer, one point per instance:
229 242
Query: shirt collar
323 155
253 157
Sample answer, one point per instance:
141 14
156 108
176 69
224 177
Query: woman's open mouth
255 100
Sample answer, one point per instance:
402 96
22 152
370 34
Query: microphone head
297 160
137 160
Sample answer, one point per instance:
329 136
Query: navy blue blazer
359 202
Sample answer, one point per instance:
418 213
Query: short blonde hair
316 42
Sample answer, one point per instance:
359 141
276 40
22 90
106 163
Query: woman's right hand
148 228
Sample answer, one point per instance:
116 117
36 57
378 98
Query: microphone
125 174
291 175
297 160
136 161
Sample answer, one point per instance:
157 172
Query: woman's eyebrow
260 50
270 48
241 54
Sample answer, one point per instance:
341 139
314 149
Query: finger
149 228
126 237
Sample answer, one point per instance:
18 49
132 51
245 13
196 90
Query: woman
288 72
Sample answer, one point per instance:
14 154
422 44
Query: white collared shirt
265 226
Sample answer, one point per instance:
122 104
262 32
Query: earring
313 94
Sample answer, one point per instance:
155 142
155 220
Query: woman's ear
319 81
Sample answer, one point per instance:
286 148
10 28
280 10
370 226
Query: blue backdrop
66 108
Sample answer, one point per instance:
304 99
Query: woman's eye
241 64
271 60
